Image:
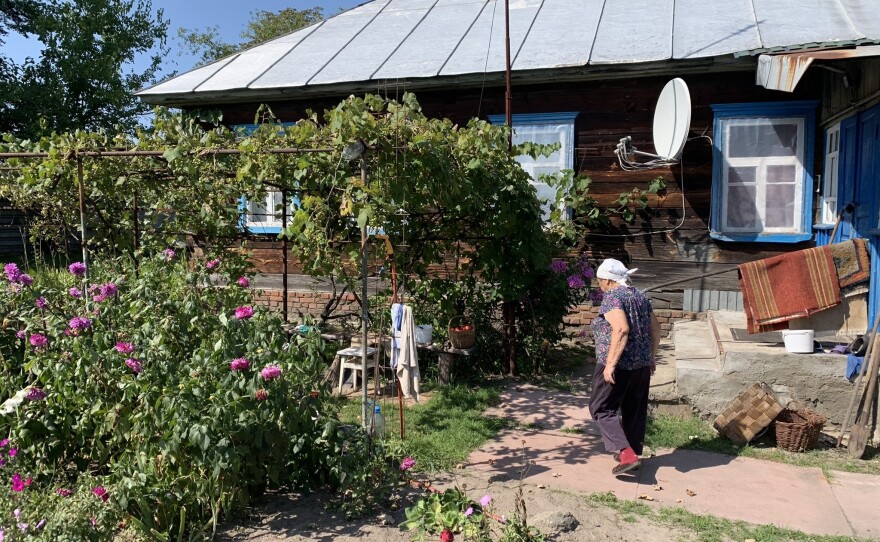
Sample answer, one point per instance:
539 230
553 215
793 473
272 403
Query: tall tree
85 75
262 27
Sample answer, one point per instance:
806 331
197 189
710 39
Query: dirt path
300 518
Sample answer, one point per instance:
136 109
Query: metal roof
433 39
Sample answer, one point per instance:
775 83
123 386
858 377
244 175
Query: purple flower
134 365
100 491
270 372
596 296
99 298
244 282
576 281
20 334
13 273
38 340
588 272
469 511
40 524
559 266
63 492
75 293
109 290
124 347
77 269
213 263
35 394
22 527
13 452
17 513
245 312
17 483
168 253
79 323
240 364
486 500
26 279
407 463
41 303
4 442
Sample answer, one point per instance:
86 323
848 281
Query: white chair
351 358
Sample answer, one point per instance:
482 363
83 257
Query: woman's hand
608 374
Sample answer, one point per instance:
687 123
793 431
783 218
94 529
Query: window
545 129
762 175
830 177
264 216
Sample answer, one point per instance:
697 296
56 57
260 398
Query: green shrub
145 388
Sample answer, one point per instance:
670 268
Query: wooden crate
753 410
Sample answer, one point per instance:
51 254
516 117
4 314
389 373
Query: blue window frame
762 174
544 128
264 216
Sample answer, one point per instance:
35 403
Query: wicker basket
798 430
751 412
461 339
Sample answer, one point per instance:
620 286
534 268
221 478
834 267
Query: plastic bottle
377 427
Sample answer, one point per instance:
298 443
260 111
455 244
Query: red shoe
628 460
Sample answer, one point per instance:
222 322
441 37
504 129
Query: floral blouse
638 310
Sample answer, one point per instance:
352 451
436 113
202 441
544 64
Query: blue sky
230 16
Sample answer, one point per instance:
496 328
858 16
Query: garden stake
855 395
82 225
858 435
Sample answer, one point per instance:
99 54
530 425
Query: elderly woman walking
627 335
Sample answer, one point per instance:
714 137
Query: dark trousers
621 409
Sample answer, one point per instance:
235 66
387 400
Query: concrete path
751 490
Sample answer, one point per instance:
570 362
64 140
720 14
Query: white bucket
798 341
424 334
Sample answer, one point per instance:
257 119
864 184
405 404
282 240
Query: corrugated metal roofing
410 39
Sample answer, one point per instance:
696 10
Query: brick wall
312 303
579 319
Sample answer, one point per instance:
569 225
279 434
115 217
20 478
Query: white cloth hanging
404 356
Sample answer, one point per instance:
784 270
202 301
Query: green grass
441 431
692 433
707 528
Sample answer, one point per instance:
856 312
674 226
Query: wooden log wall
671 240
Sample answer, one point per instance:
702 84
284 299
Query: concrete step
695 347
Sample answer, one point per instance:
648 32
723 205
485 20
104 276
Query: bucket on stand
798 341
424 334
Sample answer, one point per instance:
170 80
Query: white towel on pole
405 359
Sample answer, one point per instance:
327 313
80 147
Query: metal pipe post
82 226
284 254
364 308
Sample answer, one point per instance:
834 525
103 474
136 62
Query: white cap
612 269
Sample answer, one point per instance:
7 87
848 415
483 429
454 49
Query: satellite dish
672 122
672 119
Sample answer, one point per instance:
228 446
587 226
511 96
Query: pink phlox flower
13 452
40 524
134 365
245 312
20 334
485 500
13 273
77 269
168 253
22 527
80 323
469 512
124 347
101 491
17 513
75 293
559 266
270 372
575 281
244 282
63 492
407 463
98 298
17 483
109 290
35 394
240 364
41 303
213 263
26 280
94 288
4 442
39 340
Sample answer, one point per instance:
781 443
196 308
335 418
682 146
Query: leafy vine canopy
432 186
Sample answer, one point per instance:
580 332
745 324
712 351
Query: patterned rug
788 286
853 264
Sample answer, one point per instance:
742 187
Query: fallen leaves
646 497
690 493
